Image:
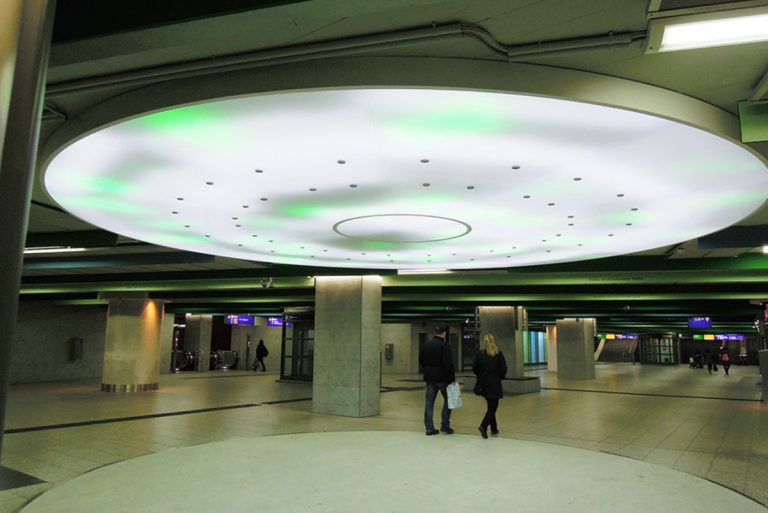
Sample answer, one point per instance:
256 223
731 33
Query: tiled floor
708 426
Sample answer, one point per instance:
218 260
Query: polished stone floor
710 426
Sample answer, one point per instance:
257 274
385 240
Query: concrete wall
272 337
400 336
575 349
40 350
166 344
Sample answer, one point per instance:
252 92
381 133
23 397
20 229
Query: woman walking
490 368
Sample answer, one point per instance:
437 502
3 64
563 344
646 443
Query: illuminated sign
240 320
729 336
709 337
274 321
699 322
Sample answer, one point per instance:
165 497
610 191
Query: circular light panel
644 181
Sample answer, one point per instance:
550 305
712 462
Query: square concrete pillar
763 359
551 348
503 322
197 338
575 349
132 345
347 358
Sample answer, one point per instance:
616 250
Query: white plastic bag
454 395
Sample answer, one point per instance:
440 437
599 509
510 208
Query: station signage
621 336
240 320
724 337
699 322
275 322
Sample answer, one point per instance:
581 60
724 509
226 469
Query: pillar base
146 387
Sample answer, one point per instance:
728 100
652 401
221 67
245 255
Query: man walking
437 364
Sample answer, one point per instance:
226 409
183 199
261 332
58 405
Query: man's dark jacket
436 361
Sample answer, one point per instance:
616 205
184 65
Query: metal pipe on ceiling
338 48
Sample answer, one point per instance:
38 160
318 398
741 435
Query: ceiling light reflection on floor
500 171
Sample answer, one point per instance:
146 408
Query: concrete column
166 343
347 365
575 349
552 348
25 35
503 322
197 338
763 359
132 349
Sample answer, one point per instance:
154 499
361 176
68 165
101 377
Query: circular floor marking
393 472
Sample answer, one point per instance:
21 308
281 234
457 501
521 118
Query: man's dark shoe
447 431
494 432
432 432
483 431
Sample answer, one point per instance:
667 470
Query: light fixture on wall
52 249
703 30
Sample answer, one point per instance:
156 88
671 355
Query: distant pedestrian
490 368
709 359
725 359
261 353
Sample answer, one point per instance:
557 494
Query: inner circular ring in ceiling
402 228
539 180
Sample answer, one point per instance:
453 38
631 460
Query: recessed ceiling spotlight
543 240
245 206
425 185
341 161
558 235
208 183
570 217
579 244
610 235
424 161
238 225
258 170
263 199
629 224
186 226
470 187
550 204
240 245
207 235
271 250
353 185
490 251
635 209
179 199
527 196
570 224
254 235
515 167
270 240
362 254
549 251
234 218
619 195
174 212
312 189
577 179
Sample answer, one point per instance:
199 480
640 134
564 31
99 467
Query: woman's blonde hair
489 345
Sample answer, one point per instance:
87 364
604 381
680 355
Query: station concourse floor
634 435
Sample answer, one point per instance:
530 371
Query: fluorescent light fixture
765 248
733 27
408 179
424 271
52 249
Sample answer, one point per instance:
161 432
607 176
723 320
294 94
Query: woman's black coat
490 370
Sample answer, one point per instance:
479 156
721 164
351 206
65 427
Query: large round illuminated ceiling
406 179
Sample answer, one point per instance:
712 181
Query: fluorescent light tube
57 249
712 29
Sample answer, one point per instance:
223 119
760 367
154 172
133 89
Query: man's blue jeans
429 406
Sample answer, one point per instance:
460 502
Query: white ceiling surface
720 76
407 179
